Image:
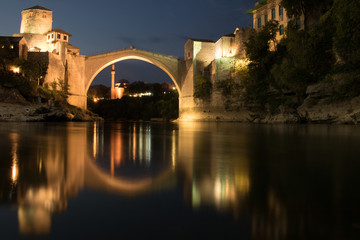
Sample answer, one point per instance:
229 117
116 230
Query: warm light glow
95 142
218 54
14 175
14 169
173 150
15 69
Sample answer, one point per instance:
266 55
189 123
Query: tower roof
38 8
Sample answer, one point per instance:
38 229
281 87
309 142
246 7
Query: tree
261 59
6 55
34 70
308 8
347 38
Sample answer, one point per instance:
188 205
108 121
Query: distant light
15 69
141 94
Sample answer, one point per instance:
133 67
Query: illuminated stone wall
217 62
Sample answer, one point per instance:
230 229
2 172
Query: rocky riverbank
14 108
323 104
10 112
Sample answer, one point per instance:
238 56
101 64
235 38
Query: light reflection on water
238 180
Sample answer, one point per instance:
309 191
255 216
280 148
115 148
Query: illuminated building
120 87
267 10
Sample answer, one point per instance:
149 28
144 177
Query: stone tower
36 20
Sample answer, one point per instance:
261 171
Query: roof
257 6
72 47
12 39
200 40
58 30
38 7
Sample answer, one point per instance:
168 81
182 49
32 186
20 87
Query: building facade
267 10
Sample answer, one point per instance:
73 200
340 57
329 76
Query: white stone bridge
83 72
174 67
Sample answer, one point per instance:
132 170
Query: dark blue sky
156 25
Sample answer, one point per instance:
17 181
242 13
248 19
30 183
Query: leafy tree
34 70
347 38
261 58
6 55
99 91
308 8
227 87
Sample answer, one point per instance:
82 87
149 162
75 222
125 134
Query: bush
202 88
227 87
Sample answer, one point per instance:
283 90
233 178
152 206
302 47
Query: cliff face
321 105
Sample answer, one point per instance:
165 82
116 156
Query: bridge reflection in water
274 181
126 159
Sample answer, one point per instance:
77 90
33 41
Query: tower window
58 36
31 14
44 15
65 38
48 37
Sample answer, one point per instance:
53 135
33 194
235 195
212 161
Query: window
58 36
273 13
44 15
281 12
282 30
31 14
48 37
266 19
65 38
52 36
298 23
259 22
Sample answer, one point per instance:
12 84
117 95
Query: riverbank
324 103
10 112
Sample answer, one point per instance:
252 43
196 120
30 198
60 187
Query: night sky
162 26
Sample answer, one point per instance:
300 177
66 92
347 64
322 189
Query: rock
11 95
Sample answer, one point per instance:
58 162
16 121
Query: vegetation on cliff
305 56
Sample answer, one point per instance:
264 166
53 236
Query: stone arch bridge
81 77
172 66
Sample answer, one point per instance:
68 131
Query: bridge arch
97 178
170 65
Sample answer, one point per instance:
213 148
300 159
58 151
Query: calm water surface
179 181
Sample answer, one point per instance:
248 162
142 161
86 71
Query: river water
145 180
